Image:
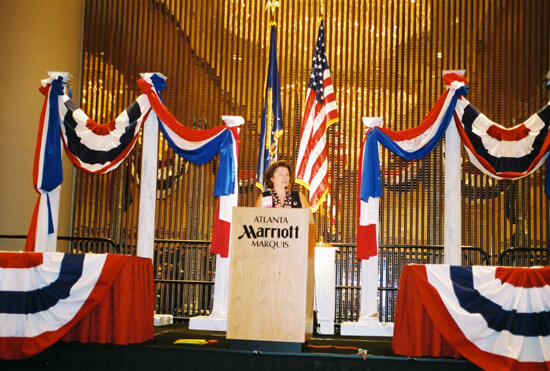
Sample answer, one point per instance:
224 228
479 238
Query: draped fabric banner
498 318
501 152
100 148
47 169
200 146
496 151
42 295
411 144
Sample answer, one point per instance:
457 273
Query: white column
217 320
369 290
368 324
148 183
453 212
148 188
221 289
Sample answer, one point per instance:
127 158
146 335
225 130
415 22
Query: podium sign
271 275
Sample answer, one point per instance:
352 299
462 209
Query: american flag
320 112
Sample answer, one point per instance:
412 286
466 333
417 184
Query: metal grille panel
386 60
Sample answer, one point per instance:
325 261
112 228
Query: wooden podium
271 275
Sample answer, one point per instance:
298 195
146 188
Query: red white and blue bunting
43 297
502 152
100 148
200 146
47 168
497 151
502 314
411 144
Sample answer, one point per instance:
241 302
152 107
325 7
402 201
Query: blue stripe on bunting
504 164
52 170
498 319
50 216
27 302
223 143
90 156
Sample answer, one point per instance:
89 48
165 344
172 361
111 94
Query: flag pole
271 120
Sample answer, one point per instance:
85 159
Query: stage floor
320 353
380 346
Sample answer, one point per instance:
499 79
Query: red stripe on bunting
220 235
445 324
428 121
524 277
101 129
367 248
450 77
19 260
166 117
36 167
31 234
510 135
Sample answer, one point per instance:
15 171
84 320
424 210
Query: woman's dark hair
271 170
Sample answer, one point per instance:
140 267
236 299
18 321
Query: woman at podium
277 193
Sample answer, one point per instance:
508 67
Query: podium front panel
271 275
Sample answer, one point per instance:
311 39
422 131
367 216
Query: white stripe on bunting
187 144
55 317
420 141
27 279
103 142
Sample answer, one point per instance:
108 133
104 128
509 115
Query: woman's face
281 177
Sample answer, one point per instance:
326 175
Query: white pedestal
210 323
368 327
217 321
325 292
368 324
163 320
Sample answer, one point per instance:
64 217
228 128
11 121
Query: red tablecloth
125 315
497 317
119 309
414 333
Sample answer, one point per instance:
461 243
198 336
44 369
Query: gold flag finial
321 8
272 6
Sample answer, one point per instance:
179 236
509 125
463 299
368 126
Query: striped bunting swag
501 152
497 317
47 168
411 144
199 147
100 148
40 302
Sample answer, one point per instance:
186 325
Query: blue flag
272 124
